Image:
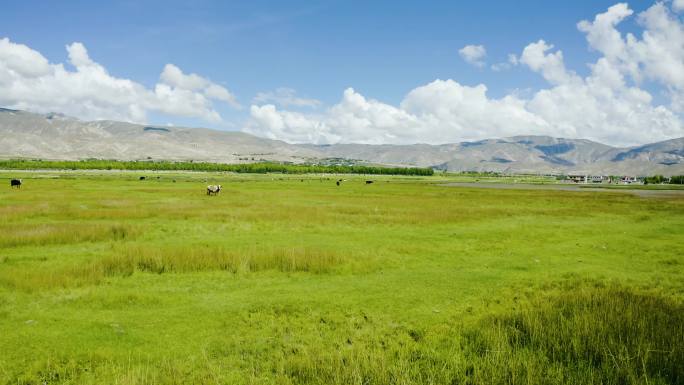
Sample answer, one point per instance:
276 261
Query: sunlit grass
294 280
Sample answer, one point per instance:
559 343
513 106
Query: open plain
105 278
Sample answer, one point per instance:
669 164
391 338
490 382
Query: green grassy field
105 279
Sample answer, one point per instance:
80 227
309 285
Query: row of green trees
655 179
260 168
659 179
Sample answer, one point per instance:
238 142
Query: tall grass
51 277
127 258
189 258
15 235
584 333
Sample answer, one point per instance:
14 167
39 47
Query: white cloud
503 66
285 97
442 111
268 122
217 92
657 56
78 56
550 66
474 54
678 5
601 33
513 59
174 77
22 60
608 105
604 108
498 67
28 81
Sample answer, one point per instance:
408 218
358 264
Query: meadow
290 279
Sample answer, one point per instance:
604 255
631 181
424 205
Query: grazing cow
338 182
142 178
15 182
369 182
213 189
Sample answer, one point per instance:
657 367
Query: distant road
675 192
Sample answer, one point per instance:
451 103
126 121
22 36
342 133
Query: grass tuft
584 334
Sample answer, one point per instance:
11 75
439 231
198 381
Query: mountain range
54 136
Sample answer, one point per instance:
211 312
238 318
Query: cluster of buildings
584 178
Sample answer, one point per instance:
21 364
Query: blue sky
383 49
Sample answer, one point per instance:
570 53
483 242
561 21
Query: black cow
369 182
15 183
142 178
338 182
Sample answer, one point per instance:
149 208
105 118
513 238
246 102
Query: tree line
258 168
659 179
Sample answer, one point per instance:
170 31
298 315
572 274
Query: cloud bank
28 81
610 104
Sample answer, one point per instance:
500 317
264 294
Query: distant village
624 179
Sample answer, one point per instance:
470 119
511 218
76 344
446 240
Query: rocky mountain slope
526 154
54 136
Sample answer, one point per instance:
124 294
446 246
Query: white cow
213 189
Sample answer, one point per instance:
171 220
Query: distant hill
526 154
54 136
